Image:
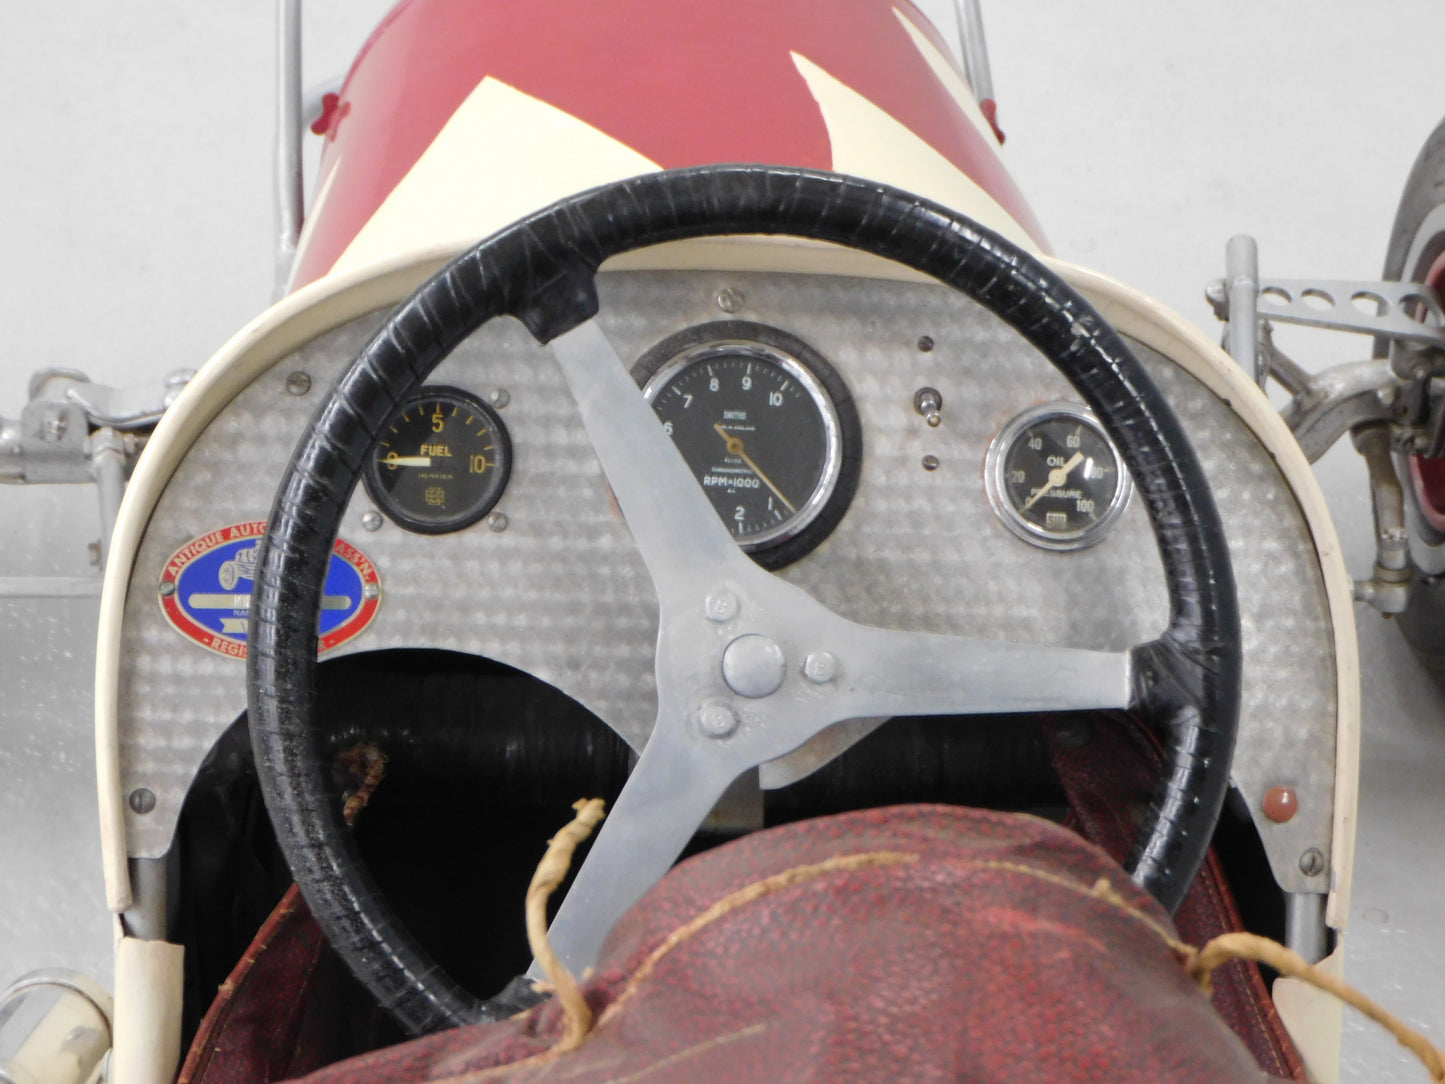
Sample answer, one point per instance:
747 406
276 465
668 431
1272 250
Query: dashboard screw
729 300
930 462
721 606
298 383
716 720
371 521
168 588
820 667
1312 862
142 800
371 590
925 343
497 522
499 397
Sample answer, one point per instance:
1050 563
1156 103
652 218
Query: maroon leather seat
903 944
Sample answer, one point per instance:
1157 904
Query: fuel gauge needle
406 461
735 447
1057 477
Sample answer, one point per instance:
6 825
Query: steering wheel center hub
754 666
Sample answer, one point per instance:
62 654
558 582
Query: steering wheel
732 693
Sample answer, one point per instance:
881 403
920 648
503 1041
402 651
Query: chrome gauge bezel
396 510
995 465
820 512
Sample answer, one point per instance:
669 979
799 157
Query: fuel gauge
442 464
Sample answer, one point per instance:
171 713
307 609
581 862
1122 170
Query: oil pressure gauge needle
1057 477
735 447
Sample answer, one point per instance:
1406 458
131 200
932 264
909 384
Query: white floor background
136 236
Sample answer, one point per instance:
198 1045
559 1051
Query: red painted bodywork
682 84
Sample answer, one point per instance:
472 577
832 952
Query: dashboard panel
549 581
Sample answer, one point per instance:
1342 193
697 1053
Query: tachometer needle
735 447
1057 477
406 461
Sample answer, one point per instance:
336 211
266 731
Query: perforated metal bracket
1393 310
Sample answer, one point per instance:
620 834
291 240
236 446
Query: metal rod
289 183
974 48
1304 924
1241 272
107 464
50 586
146 917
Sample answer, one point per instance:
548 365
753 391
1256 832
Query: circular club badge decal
206 588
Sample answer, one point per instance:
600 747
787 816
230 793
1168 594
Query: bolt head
820 667
930 462
729 300
371 521
371 590
298 383
499 397
754 666
142 800
168 588
1312 862
925 344
497 522
721 606
716 720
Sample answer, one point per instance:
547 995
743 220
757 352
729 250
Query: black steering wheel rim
542 270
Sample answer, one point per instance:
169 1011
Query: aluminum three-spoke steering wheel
734 685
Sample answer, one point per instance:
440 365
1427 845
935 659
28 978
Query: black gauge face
1055 479
767 428
442 463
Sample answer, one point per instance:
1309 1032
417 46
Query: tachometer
1055 479
442 464
768 428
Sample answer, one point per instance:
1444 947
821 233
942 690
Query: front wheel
1417 254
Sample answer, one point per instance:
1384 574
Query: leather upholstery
911 943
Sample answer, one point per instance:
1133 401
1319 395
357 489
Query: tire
1424 192
1417 242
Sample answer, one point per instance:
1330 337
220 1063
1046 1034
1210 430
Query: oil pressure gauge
441 464
1055 478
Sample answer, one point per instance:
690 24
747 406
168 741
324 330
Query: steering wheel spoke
681 539
884 672
676 783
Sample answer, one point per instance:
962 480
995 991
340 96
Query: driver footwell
484 763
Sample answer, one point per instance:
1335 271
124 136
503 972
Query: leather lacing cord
551 872
1200 963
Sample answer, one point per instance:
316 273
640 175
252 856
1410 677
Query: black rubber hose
542 270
